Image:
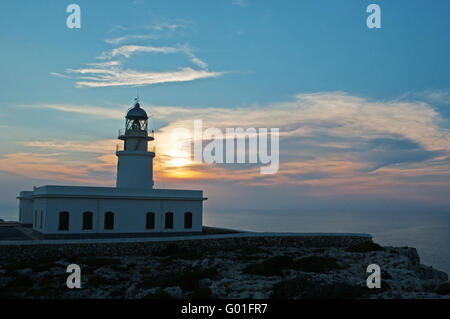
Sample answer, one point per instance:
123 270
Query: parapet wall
30 252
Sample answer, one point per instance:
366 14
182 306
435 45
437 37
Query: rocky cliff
257 270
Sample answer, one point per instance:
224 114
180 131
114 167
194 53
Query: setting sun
179 161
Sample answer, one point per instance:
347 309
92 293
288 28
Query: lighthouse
135 161
133 208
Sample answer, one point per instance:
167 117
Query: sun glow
179 161
175 148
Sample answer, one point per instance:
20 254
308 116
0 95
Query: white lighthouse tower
131 209
135 161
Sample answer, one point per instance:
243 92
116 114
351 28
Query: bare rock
175 292
131 291
25 271
206 282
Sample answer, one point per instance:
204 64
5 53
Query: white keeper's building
131 209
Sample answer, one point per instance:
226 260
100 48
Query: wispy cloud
440 97
331 142
103 112
112 73
148 32
50 167
128 50
105 64
59 75
131 37
97 146
120 77
189 52
161 28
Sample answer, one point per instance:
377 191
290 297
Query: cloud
102 112
331 143
105 64
437 97
388 151
128 50
96 146
119 77
50 167
160 29
59 75
111 73
152 32
131 37
194 59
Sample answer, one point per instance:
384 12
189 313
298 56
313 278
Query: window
109 220
63 221
42 215
188 220
169 220
35 218
150 221
87 220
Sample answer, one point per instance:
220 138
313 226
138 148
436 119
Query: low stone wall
9 253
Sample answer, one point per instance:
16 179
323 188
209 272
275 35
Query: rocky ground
265 272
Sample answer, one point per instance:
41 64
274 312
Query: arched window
42 216
63 221
169 220
188 220
109 220
87 220
150 221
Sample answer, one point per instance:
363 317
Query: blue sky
241 57
269 50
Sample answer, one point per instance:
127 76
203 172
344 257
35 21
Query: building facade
132 208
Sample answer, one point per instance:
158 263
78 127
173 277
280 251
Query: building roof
137 113
111 192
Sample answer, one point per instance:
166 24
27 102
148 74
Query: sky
363 114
